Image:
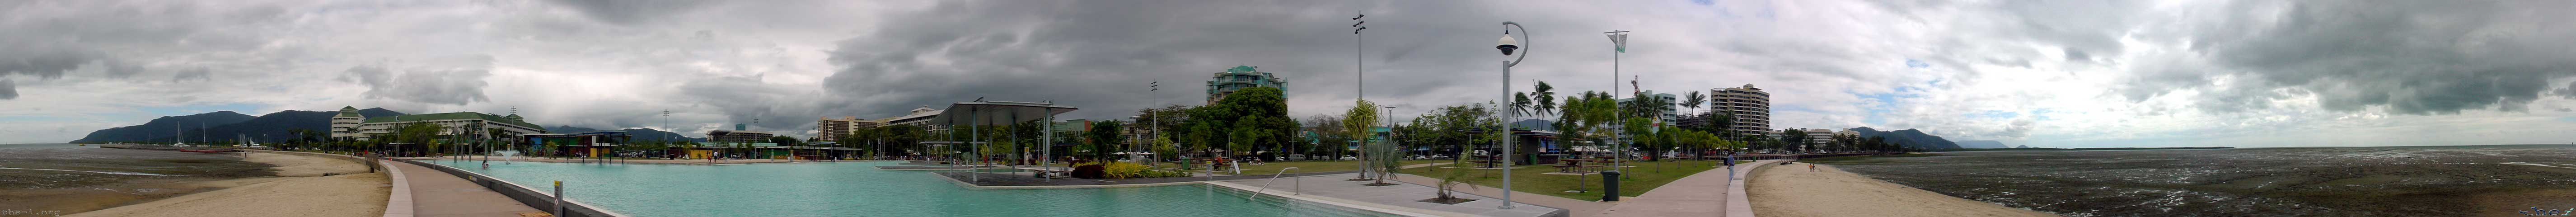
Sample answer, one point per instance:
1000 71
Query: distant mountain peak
1911 138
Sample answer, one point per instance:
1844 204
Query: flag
1620 41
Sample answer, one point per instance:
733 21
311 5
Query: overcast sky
2040 73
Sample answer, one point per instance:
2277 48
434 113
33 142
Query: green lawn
1645 175
1302 166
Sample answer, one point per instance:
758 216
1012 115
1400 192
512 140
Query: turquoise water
859 189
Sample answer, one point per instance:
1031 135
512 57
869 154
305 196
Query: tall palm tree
1520 104
1544 97
1694 100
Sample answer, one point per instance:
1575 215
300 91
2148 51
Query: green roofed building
351 125
1240 77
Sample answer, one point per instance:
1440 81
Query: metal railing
1274 178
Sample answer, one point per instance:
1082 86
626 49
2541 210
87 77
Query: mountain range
271 127
1909 138
1982 144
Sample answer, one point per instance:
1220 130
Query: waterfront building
351 125
1819 136
1749 106
918 117
738 136
1238 78
829 129
1074 127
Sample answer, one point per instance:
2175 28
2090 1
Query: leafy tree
1104 138
1329 134
1795 139
1261 113
421 134
1359 119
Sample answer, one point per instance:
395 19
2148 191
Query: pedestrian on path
1811 167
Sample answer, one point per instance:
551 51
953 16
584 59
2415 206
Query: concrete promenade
1575 208
1707 193
435 193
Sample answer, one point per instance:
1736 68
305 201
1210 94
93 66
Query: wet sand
1792 191
340 195
304 166
91 181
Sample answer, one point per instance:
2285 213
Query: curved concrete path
435 193
1709 193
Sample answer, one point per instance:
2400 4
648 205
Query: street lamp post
1618 40
1507 45
1390 126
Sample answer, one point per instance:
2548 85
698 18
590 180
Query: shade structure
986 113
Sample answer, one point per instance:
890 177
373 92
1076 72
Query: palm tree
1544 98
1694 100
1520 104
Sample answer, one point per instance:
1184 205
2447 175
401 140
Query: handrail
1274 178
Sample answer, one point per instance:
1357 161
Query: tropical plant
1384 159
1520 103
1448 184
1359 119
1543 99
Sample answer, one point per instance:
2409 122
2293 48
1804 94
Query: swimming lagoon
859 189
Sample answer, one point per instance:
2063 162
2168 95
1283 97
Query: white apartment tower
1749 106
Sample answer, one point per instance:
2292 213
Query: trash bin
1609 186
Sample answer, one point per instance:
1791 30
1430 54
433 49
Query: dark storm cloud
453 80
8 89
197 74
1099 55
2409 57
44 60
629 12
743 99
2569 91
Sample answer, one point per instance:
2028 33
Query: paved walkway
1576 208
1707 193
435 193
1400 196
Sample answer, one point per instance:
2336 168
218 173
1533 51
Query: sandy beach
341 195
304 192
1792 191
304 166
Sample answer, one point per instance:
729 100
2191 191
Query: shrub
1089 171
1122 170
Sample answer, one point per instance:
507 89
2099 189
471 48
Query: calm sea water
2340 181
859 189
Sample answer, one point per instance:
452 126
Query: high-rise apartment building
1238 78
1748 106
830 129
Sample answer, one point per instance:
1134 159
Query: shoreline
1790 190
299 188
